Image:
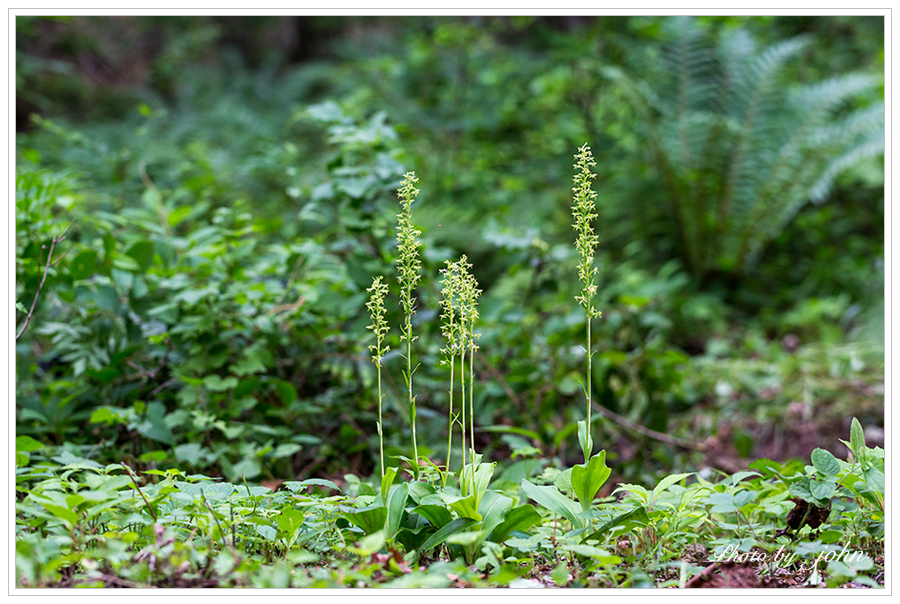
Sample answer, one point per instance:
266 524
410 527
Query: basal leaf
554 501
451 528
520 518
369 519
386 482
396 504
588 478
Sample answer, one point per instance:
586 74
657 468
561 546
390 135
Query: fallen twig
645 431
37 294
137 486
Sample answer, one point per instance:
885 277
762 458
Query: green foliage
80 523
202 321
739 151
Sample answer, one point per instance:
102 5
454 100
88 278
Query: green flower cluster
380 328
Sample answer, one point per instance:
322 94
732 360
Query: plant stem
588 379
472 410
380 430
450 423
412 402
462 381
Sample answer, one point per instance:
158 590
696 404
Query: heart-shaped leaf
825 462
588 478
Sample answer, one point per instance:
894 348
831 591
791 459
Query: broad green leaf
369 544
520 518
482 480
822 489
396 503
420 490
859 561
463 506
82 265
27 444
636 490
588 478
601 555
154 424
295 486
193 453
451 528
857 440
63 513
742 475
560 574
436 515
554 501
493 509
668 481
110 483
369 519
106 297
874 479
217 384
630 520
386 481
563 481
65 458
744 497
825 463
466 539
267 532
142 252
289 520
722 503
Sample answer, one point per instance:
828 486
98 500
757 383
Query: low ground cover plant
417 523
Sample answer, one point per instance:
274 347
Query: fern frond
869 148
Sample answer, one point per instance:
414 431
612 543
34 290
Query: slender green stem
380 424
588 380
472 412
462 381
412 400
472 404
450 423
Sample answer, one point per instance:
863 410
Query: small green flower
408 269
584 213
379 326
408 263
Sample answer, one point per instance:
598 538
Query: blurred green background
230 183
